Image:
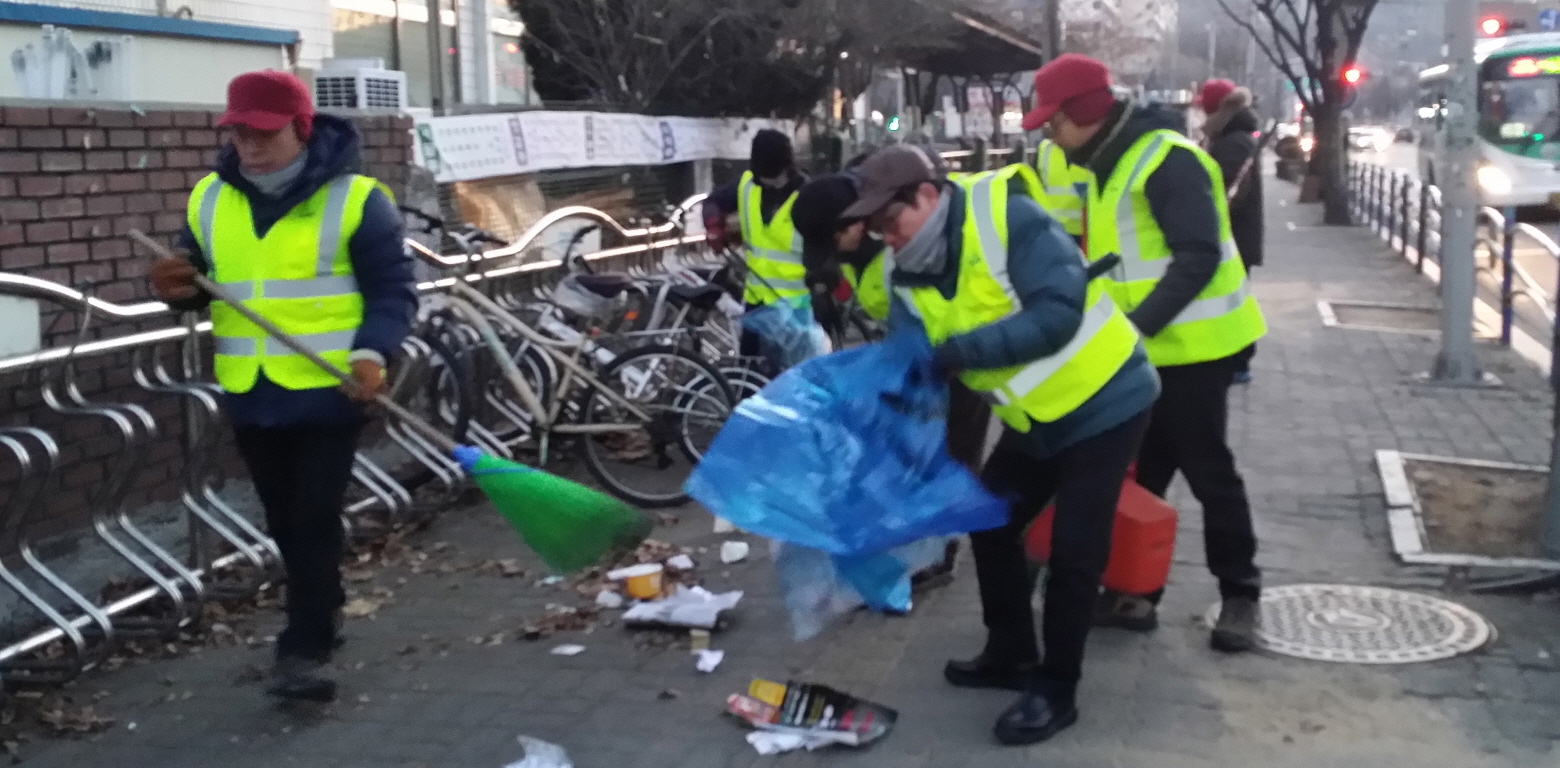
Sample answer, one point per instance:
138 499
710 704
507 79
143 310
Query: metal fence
1406 213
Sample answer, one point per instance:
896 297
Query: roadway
1528 254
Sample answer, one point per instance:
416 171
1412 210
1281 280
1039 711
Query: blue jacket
1048 273
380 263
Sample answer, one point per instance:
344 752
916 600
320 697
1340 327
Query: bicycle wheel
686 401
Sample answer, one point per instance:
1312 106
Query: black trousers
1189 434
301 475
969 418
1085 482
1242 359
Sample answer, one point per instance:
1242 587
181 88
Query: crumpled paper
542 754
694 607
769 743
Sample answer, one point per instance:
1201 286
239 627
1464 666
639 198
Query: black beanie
816 212
772 154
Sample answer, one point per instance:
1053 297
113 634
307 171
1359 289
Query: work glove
947 362
173 279
369 378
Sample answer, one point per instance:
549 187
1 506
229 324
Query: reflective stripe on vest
1042 390
1064 185
774 250
299 276
1224 317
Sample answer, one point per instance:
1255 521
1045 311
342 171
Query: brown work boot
1236 629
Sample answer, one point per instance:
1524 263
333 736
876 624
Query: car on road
1369 138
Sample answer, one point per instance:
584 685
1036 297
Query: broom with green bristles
567 524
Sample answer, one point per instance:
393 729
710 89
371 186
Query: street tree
1313 42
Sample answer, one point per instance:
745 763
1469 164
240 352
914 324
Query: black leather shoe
981 673
1033 720
301 680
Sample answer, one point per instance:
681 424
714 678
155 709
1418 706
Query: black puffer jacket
1231 137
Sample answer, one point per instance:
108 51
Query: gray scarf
927 252
276 183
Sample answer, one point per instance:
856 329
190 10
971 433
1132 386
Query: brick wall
73 181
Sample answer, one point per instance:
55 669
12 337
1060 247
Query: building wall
310 18
168 69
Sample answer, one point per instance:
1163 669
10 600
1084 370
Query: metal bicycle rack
80 628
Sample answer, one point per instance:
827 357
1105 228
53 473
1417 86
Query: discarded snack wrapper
680 562
708 660
733 552
813 711
691 607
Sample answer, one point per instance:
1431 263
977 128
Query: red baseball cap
269 100
1213 94
1063 79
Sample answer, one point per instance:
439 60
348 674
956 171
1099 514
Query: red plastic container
1142 541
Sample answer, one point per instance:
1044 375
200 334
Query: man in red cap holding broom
1158 201
286 225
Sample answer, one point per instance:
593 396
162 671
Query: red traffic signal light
1352 75
1492 25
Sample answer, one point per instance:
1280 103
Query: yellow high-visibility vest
774 250
870 287
1042 390
1224 318
298 276
1064 186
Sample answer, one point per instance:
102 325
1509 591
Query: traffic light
1492 26
1352 75
893 123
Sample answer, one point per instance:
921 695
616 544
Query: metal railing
1406 213
177 582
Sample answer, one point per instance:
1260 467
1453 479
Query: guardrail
180 579
1406 213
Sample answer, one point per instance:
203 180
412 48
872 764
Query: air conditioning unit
359 84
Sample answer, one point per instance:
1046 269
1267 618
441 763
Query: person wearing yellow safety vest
1003 295
1158 201
1065 186
760 202
285 224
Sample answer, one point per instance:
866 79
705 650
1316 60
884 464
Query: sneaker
1236 630
1122 611
301 680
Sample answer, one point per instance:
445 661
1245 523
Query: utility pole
1456 363
1053 27
437 97
1213 53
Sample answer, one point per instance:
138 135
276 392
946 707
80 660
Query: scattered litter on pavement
733 552
681 563
770 743
360 607
669 694
818 714
541 754
698 640
708 660
568 650
722 526
693 607
549 581
643 581
560 619
608 599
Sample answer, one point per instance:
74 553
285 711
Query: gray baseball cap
887 171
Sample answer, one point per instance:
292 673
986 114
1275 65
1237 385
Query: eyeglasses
884 220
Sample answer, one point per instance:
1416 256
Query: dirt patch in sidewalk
1473 510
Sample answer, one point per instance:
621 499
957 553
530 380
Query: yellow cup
642 582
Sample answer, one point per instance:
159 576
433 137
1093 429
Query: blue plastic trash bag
846 454
818 587
788 332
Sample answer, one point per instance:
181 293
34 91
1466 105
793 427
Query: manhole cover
1364 625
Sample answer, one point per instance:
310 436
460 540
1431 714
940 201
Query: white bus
1518 118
